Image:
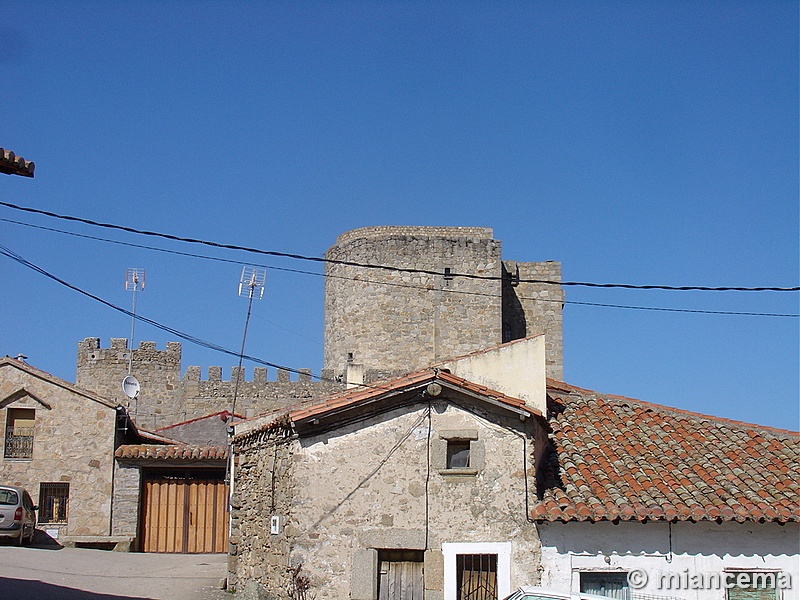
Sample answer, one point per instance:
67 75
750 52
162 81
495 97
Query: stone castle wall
532 308
167 398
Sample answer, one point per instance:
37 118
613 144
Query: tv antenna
251 284
134 281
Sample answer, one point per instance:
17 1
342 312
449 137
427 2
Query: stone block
364 575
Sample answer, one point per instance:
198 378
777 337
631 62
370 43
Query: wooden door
401 576
184 516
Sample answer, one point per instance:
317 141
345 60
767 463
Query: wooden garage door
184 516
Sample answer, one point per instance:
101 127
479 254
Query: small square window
53 502
613 584
457 454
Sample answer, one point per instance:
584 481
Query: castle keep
447 293
396 299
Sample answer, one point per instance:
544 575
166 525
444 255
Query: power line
401 285
185 336
176 332
387 267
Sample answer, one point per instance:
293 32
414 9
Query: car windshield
9 498
522 595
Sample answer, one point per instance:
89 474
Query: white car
536 593
17 514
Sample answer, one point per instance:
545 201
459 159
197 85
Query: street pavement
53 573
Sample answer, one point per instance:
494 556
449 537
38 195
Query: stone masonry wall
346 495
390 322
394 322
532 308
125 504
257 559
102 370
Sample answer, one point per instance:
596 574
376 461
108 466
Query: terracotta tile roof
329 405
172 452
378 389
615 458
11 164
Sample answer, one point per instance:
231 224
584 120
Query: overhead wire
176 332
180 334
389 267
403 285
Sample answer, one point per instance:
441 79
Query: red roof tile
12 164
330 405
378 389
152 452
619 458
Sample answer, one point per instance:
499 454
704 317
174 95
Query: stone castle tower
446 292
441 292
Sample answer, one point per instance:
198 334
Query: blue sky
634 142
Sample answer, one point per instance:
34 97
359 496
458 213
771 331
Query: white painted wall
517 369
657 548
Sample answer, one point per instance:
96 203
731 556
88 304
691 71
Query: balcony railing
19 442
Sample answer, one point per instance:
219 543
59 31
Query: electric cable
400 285
184 336
388 267
176 332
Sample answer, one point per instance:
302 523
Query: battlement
483 233
387 321
166 398
194 373
89 349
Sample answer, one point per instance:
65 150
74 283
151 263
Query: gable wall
73 442
367 486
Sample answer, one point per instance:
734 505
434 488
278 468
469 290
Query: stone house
478 475
423 482
59 443
101 481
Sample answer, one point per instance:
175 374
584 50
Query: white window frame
452 549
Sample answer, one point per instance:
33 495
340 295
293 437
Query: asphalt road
81 574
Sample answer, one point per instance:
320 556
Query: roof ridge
55 380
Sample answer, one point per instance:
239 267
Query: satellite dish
130 385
